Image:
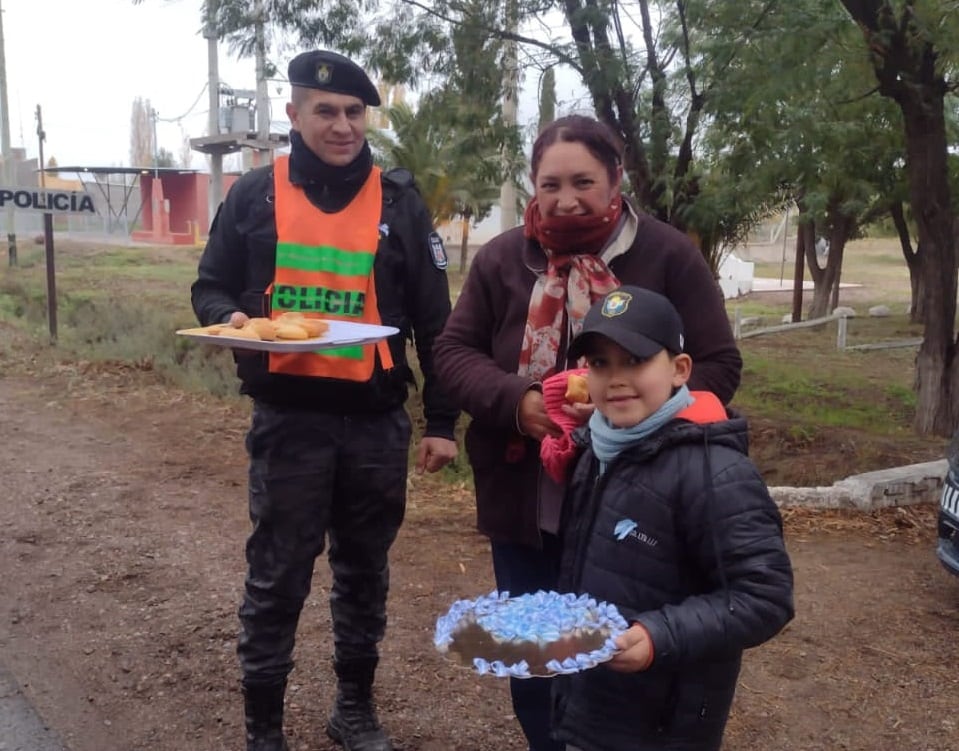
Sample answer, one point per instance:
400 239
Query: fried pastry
576 389
314 326
247 332
291 331
264 327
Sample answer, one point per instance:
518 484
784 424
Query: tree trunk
917 308
913 258
826 279
842 227
614 98
465 245
820 275
936 374
821 284
909 68
803 232
837 251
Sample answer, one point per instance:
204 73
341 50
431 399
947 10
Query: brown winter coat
477 356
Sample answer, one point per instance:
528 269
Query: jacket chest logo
628 528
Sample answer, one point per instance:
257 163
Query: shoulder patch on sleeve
437 251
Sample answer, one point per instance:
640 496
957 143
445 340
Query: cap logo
616 304
324 73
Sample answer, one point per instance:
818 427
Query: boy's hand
637 650
580 413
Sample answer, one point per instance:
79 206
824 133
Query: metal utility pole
154 115
9 178
48 239
262 94
213 124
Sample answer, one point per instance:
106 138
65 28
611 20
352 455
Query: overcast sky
85 62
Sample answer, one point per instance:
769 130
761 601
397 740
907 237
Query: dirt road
121 565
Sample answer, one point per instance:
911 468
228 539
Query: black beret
328 71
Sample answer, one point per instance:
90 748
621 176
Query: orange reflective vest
324 269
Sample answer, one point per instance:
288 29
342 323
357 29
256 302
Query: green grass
875 263
833 394
120 304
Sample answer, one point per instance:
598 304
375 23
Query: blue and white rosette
538 618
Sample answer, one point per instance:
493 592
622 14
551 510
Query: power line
185 114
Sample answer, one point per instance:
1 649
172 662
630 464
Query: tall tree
794 118
547 98
185 154
641 63
911 47
644 74
142 151
164 158
510 109
410 41
457 166
414 143
392 43
474 196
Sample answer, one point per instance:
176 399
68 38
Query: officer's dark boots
263 704
353 723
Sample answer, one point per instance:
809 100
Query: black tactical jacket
238 265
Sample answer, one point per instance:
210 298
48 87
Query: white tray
340 334
583 639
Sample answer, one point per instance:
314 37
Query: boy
667 518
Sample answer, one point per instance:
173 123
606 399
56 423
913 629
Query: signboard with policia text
47 201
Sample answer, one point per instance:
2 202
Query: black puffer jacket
705 570
239 263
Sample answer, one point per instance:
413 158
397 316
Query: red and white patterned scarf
575 278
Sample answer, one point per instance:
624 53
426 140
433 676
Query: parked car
948 547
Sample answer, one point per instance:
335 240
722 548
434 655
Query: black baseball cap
639 320
328 71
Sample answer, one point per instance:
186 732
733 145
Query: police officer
325 233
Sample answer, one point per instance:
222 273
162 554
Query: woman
524 299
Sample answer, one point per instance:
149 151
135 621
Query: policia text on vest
319 300
47 201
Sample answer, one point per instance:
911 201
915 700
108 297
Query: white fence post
841 335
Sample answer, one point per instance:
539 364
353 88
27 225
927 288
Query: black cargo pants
312 475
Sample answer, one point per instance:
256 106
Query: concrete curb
899 486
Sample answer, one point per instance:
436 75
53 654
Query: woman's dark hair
598 139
